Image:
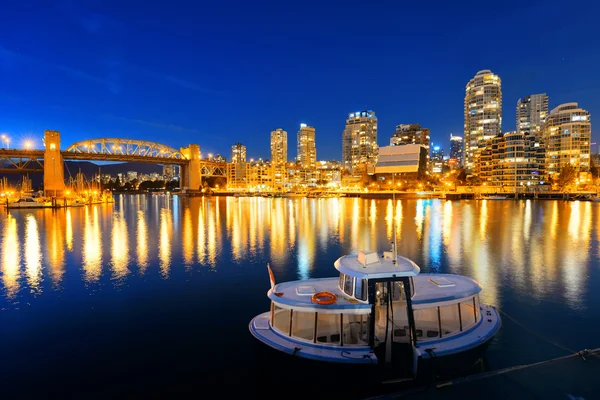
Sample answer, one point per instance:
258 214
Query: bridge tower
190 174
54 177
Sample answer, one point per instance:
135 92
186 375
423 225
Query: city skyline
108 81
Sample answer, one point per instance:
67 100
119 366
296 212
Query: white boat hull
444 356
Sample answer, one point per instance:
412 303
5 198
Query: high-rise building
503 163
531 114
567 137
436 160
483 115
238 153
278 147
279 158
359 141
456 151
307 152
410 134
306 160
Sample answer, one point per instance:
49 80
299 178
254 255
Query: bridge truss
21 161
125 148
212 168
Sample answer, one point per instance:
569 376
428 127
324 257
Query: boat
79 202
293 194
587 197
28 202
380 310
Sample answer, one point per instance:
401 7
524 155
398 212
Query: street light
27 144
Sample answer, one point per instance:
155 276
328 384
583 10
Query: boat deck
298 294
572 377
435 288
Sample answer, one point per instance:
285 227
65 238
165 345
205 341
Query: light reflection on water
535 249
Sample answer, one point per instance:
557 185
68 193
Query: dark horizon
217 74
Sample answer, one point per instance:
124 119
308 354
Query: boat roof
368 265
438 288
298 295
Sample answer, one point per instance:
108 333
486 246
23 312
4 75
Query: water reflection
11 260
119 248
164 246
142 241
33 254
534 250
69 231
92 245
55 232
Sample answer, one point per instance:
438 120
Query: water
154 293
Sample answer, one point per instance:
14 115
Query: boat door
392 324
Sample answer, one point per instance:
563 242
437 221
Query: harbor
88 277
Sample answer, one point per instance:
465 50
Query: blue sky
215 73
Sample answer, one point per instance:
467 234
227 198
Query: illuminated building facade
567 136
260 175
531 113
237 175
359 142
483 115
436 161
411 134
238 153
456 159
307 151
408 160
306 160
279 158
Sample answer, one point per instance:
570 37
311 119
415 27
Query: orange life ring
324 298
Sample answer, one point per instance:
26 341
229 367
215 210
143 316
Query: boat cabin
26 199
379 302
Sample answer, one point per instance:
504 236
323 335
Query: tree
566 176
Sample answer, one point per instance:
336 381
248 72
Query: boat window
348 285
342 277
426 323
450 319
467 313
355 329
281 319
360 289
477 310
303 325
397 289
328 328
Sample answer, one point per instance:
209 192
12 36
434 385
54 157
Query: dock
572 377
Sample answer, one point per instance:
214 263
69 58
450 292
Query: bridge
50 160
